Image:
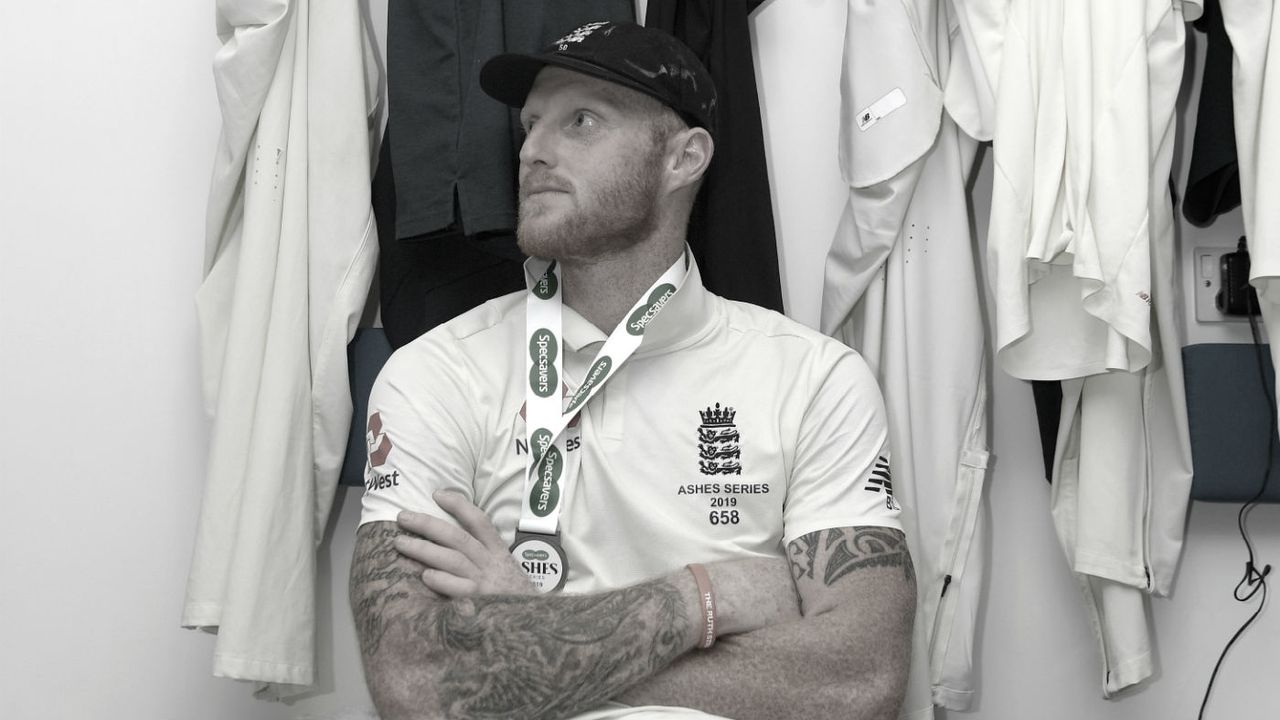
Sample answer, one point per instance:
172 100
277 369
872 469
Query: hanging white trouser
927 297
901 282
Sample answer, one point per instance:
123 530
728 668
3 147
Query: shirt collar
684 319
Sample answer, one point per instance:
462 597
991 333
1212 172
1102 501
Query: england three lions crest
718 449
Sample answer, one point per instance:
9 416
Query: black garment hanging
426 280
455 151
1048 399
445 191
731 230
1213 181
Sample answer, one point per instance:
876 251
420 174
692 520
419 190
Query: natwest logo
379 445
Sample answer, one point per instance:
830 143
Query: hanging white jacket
291 250
901 282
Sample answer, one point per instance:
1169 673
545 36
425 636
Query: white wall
107 127
107 134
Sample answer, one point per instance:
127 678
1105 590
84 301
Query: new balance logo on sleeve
880 482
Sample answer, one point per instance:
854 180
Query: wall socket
1208 279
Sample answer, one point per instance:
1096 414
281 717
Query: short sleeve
417 437
841 475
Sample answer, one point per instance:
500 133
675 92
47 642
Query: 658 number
724 517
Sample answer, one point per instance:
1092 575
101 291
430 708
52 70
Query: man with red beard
617 495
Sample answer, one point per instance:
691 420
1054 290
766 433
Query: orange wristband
707 602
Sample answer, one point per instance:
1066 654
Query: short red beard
603 220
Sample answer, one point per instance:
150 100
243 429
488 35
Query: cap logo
680 72
579 35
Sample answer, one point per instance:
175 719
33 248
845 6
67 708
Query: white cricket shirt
726 411
730 432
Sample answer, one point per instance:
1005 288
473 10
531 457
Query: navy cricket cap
644 59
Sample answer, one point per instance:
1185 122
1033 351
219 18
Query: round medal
542 560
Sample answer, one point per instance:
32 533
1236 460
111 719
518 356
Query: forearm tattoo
380 581
849 549
519 656
544 664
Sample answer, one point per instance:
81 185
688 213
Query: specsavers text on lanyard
551 468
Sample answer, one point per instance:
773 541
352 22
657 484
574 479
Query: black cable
1231 642
1252 579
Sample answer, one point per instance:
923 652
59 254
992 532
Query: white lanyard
547 417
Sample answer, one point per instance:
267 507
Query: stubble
615 215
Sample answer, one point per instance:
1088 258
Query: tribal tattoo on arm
846 656
504 656
846 550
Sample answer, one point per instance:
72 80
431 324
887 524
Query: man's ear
690 156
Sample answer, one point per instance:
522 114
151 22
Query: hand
461 561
